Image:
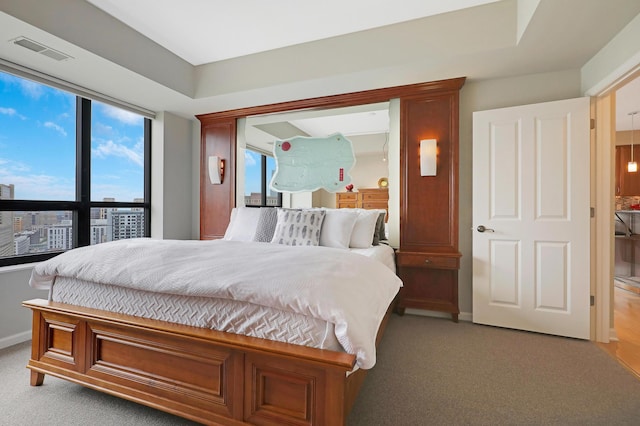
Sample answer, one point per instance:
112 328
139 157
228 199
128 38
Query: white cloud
249 159
11 112
54 126
121 115
109 148
27 87
31 89
35 186
7 111
103 129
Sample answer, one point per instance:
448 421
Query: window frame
263 182
81 207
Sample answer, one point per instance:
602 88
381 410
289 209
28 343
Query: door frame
603 196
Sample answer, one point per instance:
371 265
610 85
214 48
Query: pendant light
384 148
632 166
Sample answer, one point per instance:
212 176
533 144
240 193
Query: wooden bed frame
208 376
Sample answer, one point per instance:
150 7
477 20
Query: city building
125 224
7 247
60 236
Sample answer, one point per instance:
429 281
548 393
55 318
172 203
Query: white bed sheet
382 253
242 317
214 313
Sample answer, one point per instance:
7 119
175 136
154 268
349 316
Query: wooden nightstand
430 282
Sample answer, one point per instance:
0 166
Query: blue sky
252 171
37 145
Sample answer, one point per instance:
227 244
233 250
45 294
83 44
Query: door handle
482 228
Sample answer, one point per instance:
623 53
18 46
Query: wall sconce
216 170
428 157
632 166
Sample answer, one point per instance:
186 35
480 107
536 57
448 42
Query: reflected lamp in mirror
428 157
632 166
216 170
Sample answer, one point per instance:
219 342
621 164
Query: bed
190 328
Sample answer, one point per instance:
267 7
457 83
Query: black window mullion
147 177
82 234
81 207
263 180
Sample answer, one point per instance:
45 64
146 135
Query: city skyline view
38 145
253 172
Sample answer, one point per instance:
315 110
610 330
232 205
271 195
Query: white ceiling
187 28
367 126
628 100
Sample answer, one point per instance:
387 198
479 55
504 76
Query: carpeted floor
430 371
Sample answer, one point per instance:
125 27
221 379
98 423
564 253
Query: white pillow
298 227
362 234
242 224
337 227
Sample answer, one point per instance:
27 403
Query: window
73 172
259 168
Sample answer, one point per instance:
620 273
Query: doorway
625 345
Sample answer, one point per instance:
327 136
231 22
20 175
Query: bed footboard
204 375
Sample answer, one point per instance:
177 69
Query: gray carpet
430 372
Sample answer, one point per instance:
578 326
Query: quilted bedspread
346 289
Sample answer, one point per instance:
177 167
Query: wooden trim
216 201
429 205
339 359
208 376
212 225
341 100
428 259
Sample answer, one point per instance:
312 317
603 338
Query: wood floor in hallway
627 324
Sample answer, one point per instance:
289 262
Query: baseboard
613 336
463 316
5 342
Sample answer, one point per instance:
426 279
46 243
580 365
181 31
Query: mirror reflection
366 126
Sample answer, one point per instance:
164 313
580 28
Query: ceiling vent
41 48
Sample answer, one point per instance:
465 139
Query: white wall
15 321
172 175
195 180
618 58
369 168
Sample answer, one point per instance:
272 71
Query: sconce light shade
216 170
632 166
428 157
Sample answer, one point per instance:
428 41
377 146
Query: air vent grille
41 48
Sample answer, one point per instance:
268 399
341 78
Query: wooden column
218 137
428 258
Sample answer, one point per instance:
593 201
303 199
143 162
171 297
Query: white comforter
349 290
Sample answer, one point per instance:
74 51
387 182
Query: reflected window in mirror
259 168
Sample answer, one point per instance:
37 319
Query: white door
531 195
